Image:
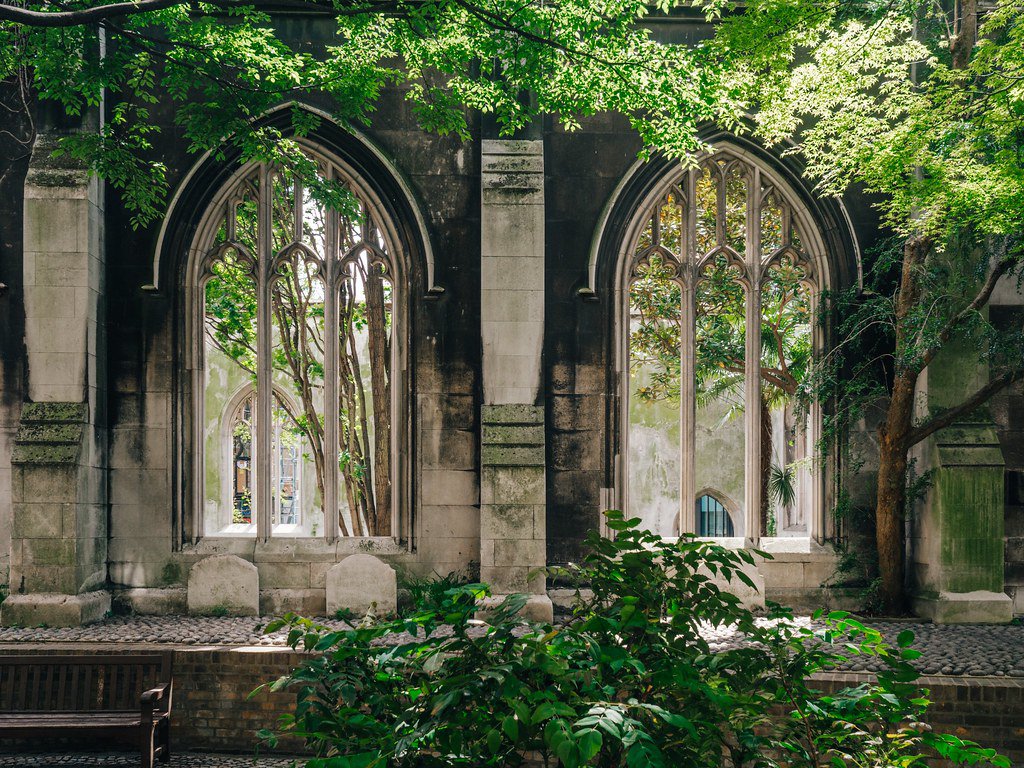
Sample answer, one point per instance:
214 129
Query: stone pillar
59 498
957 539
513 484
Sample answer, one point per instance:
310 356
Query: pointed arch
742 221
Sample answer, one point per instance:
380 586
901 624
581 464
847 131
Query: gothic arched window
718 290
294 305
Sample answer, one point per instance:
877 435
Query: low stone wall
213 711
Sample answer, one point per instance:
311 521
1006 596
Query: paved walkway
947 650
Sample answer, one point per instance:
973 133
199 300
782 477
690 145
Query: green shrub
430 593
628 680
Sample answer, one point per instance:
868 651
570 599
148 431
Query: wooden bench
126 697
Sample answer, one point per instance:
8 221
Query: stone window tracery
719 290
293 304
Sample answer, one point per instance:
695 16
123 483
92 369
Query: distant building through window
713 518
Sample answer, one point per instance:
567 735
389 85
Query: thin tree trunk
380 384
766 464
892 495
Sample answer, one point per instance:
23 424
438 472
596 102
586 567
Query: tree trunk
766 465
380 392
891 504
893 433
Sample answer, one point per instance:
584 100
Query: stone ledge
50 433
513 455
979 607
55 412
54 610
511 147
513 434
512 413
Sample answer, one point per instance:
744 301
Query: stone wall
1008 414
545 340
149 548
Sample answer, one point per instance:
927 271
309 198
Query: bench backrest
44 683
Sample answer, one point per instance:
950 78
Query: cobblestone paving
947 650
125 759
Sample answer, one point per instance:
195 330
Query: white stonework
361 583
224 583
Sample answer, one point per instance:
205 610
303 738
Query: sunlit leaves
224 71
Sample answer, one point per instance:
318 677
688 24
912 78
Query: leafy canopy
220 66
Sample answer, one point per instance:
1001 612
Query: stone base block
805 601
980 607
54 610
151 601
538 608
565 599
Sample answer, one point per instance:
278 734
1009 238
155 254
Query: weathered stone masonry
513 396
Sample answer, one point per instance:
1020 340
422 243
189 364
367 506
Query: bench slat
71 719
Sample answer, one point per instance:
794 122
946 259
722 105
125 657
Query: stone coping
109 759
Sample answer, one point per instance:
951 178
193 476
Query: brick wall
213 711
988 710
211 706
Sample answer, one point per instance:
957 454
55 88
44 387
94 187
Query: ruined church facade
492 342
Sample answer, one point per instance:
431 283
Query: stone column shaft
59 496
513 484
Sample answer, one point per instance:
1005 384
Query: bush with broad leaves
628 680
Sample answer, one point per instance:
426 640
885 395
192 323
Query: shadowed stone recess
224 583
361 583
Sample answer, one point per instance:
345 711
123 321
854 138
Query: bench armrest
156 700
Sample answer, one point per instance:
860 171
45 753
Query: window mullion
264 381
688 350
331 415
752 364
815 515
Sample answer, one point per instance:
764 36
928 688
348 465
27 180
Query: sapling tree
923 106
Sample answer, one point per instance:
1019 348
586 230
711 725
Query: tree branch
979 301
972 403
101 13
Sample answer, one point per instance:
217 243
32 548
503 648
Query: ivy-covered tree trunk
766 464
